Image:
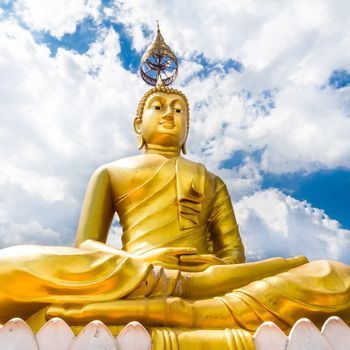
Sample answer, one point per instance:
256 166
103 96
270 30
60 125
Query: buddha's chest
176 194
142 180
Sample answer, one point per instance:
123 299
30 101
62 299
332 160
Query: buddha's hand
185 259
167 256
199 262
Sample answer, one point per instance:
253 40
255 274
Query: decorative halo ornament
159 64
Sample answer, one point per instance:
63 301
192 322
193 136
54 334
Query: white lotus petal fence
57 335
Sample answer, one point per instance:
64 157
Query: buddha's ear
183 147
137 127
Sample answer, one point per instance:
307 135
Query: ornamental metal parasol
158 64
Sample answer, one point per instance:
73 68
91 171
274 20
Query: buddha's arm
97 215
223 227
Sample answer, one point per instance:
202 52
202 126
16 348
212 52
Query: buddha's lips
168 124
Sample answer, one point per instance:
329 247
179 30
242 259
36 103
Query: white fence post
17 335
55 335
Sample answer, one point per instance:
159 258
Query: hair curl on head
167 90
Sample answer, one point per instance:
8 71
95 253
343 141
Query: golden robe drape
80 285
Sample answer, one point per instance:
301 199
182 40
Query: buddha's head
162 119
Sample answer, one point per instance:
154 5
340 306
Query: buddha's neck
166 151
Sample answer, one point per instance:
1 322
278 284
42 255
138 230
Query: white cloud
56 17
13 233
308 130
273 224
61 117
51 188
115 234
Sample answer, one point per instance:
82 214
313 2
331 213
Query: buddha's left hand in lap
180 258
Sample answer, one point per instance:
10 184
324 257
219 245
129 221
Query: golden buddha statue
182 263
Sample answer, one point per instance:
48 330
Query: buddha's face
164 120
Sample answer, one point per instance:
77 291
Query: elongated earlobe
137 127
140 141
183 147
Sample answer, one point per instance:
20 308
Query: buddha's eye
156 107
178 110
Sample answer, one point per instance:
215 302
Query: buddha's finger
211 257
186 268
182 251
169 259
194 268
191 259
168 265
201 259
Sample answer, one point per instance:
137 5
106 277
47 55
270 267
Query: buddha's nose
169 115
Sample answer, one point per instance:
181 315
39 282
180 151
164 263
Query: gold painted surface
181 267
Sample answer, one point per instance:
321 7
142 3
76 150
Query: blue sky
327 189
269 90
